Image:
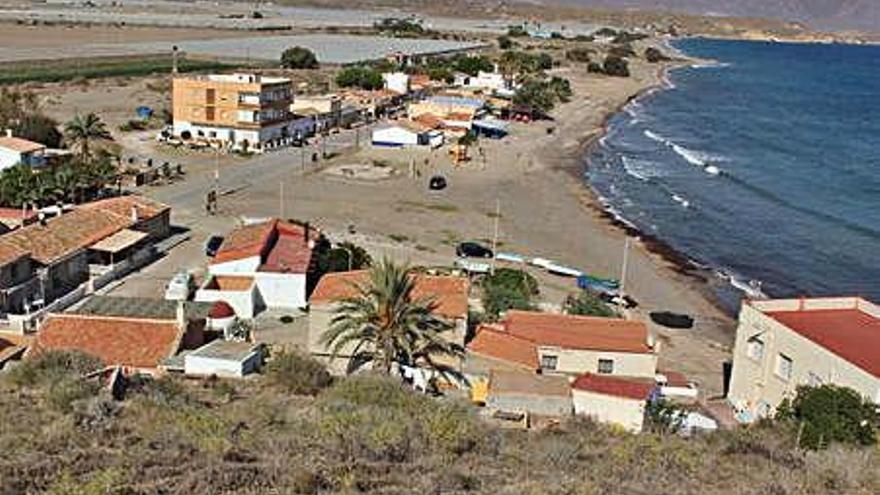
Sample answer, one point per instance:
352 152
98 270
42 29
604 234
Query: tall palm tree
384 325
83 130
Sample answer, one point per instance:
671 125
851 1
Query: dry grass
370 436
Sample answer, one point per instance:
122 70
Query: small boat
597 283
563 270
510 257
542 262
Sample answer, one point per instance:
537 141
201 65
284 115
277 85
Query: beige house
781 344
608 399
449 294
243 111
564 344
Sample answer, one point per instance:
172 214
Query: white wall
206 366
244 266
395 136
243 302
282 290
9 158
755 385
623 411
397 82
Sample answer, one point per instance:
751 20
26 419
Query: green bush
513 278
359 76
298 374
615 66
580 55
299 57
653 55
52 367
517 32
508 289
505 43
830 414
586 303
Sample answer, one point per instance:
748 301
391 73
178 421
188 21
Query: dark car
213 245
473 250
437 183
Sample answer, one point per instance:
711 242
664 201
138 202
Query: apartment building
244 112
782 344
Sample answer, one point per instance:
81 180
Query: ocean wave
710 65
635 168
696 158
749 287
681 200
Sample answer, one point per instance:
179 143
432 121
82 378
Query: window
755 349
549 362
606 366
783 367
209 113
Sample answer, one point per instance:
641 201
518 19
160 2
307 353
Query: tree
517 32
615 66
38 128
299 57
664 417
83 131
653 55
505 43
507 289
473 65
384 324
359 77
586 303
830 414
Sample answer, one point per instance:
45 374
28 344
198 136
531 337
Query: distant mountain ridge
823 14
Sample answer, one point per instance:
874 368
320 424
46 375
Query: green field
66 70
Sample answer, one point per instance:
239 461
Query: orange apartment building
246 112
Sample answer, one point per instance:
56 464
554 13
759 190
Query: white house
406 135
609 399
784 343
15 150
223 358
396 81
239 292
275 254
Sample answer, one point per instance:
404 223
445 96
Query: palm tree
386 325
83 130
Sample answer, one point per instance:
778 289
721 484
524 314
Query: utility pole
174 59
281 201
495 234
623 269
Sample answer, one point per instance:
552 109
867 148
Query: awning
119 241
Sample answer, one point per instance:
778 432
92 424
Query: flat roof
525 383
852 334
119 241
139 307
224 349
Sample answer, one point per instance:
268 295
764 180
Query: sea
761 166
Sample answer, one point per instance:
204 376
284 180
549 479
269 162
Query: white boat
563 270
542 262
510 257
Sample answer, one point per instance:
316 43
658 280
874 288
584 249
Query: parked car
473 250
180 287
437 183
212 245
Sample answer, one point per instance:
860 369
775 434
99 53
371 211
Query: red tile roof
17 214
852 334
82 227
281 246
614 386
498 344
449 293
578 332
139 343
20 145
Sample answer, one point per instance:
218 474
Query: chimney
134 214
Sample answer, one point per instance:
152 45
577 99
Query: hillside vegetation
61 435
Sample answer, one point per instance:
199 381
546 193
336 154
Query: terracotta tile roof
450 293
578 332
281 246
614 386
503 382
20 145
429 121
498 344
852 334
17 214
122 206
139 343
230 283
78 229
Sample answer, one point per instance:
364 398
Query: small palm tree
83 130
385 325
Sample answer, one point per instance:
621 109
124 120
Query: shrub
505 43
653 55
297 374
473 65
517 32
622 51
595 68
830 414
52 367
580 55
40 129
299 57
508 289
616 66
586 303
513 278
359 77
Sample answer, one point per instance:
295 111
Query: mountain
823 14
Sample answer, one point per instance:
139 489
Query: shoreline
664 254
